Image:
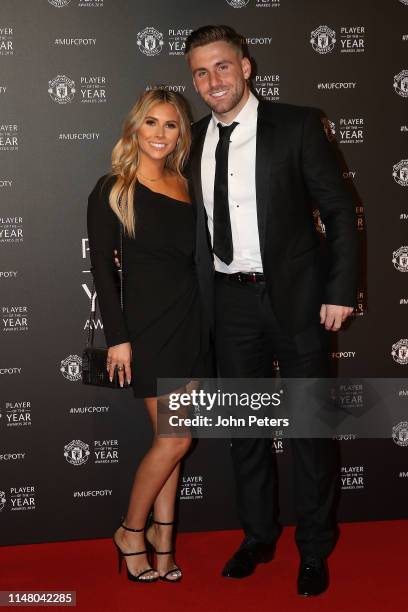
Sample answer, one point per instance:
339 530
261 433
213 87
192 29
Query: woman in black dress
157 334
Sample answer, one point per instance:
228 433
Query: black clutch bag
94 370
94 358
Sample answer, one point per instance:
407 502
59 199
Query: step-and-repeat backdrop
70 70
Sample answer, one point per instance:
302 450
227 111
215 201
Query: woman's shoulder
98 199
178 187
103 186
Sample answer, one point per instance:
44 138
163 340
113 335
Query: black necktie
222 223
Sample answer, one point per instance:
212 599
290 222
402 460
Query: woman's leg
158 466
161 535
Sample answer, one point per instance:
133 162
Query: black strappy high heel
121 554
175 568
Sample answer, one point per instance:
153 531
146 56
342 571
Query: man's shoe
245 560
313 577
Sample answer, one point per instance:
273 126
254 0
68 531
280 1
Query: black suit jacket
296 170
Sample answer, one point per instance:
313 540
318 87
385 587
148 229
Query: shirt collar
245 115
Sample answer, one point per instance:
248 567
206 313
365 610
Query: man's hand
332 316
116 258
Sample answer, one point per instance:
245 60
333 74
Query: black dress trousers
248 338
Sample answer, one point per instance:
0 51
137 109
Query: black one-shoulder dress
161 315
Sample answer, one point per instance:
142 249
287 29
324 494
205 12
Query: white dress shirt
241 188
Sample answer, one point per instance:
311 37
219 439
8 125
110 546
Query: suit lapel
195 162
264 160
199 133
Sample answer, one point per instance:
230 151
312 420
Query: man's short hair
214 33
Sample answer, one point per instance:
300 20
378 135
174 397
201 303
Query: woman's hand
120 356
116 259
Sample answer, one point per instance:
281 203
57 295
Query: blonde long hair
126 155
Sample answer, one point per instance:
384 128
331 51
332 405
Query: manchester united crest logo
71 368
76 452
400 173
237 3
61 89
329 128
400 351
400 433
323 39
59 3
150 41
400 259
401 83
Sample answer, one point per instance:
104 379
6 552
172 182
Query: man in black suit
255 169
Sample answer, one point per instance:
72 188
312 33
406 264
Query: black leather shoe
247 557
313 577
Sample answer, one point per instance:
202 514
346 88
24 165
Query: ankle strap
160 523
130 529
